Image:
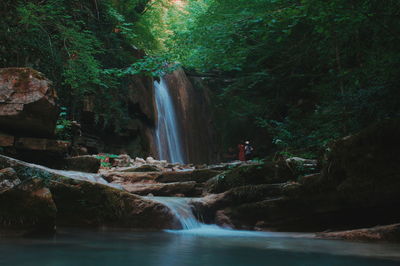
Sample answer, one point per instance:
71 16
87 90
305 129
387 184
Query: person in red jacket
241 149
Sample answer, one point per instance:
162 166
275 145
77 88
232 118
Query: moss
87 204
267 173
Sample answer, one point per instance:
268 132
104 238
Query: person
248 151
241 149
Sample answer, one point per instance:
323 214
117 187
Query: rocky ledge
36 199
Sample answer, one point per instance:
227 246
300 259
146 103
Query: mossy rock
95 205
27 209
267 173
365 167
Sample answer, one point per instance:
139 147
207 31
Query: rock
82 203
6 140
130 177
195 117
365 168
187 189
39 144
123 160
27 209
388 233
144 168
267 173
223 220
209 205
150 160
86 163
139 160
198 175
27 103
77 202
301 161
8 179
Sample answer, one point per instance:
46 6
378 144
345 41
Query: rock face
358 187
27 103
135 135
44 199
193 109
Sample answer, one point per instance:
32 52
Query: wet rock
27 208
27 103
8 179
187 189
130 177
198 175
86 163
88 204
223 220
80 203
388 233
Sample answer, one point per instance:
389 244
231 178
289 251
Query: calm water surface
76 247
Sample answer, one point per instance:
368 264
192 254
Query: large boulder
27 208
256 174
85 163
364 169
82 203
27 103
77 202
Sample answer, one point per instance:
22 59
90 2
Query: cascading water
182 210
168 137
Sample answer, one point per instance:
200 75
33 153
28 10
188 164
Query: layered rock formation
35 200
358 187
28 116
27 103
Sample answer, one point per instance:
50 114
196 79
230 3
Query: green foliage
299 73
74 43
64 126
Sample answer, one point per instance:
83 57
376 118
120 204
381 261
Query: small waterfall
181 209
168 137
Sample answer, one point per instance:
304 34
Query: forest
199 132
292 75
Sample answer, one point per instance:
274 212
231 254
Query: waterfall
182 210
168 137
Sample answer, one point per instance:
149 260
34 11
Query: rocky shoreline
286 195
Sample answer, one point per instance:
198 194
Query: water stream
168 137
182 210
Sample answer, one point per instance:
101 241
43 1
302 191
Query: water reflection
74 247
